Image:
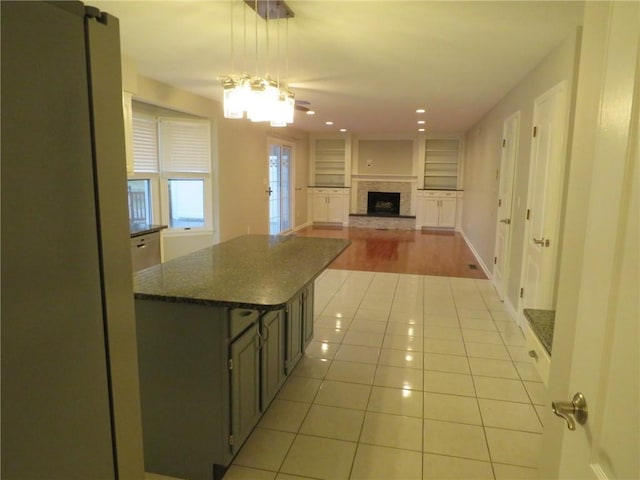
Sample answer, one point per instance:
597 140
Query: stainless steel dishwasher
145 250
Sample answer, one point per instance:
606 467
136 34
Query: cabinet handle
260 341
265 335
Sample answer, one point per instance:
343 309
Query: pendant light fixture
260 98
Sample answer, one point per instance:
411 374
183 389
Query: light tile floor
408 377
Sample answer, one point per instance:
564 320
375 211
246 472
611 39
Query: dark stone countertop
247 272
138 229
542 322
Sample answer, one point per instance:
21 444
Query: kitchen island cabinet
218 331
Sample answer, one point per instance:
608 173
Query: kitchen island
218 332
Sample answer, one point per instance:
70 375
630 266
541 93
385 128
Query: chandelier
260 98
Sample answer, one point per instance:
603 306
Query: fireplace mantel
384 177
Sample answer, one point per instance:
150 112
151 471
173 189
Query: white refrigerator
70 395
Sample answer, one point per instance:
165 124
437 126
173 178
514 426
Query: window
171 183
140 202
186 203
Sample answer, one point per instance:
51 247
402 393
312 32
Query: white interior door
544 198
597 322
510 132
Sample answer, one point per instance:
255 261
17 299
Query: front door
597 333
510 132
279 187
544 198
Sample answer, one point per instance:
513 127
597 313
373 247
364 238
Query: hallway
408 377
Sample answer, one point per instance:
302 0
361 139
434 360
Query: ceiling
365 65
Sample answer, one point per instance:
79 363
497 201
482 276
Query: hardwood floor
401 251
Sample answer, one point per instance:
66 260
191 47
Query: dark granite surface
138 229
542 322
247 272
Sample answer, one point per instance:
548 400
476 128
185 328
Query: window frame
208 202
159 180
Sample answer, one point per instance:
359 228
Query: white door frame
510 142
292 177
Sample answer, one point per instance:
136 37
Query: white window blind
145 143
185 145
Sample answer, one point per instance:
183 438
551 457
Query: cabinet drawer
240 319
325 191
439 193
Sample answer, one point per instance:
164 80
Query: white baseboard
517 317
475 254
304 225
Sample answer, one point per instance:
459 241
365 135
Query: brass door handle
544 242
506 221
577 408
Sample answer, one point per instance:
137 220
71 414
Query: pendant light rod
271 9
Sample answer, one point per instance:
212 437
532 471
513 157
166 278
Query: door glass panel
285 175
279 188
274 189
186 203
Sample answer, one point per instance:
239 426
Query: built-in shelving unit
330 162
441 163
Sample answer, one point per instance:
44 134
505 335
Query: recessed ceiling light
420 110
421 129
328 123
343 129
421 122
310 112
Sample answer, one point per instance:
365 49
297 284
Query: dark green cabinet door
272 355
245 386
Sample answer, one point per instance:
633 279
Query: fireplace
383 203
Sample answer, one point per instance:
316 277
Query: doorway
280 161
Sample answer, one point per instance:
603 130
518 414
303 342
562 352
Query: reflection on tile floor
408 377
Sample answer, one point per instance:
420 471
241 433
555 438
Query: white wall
244 176
239 158
482 159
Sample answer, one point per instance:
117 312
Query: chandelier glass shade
259 98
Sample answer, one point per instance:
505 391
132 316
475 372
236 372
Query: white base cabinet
438 209
329 205
541 359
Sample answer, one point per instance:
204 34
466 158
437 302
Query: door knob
269 191
506 221
577 408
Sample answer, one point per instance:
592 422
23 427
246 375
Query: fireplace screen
383 203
